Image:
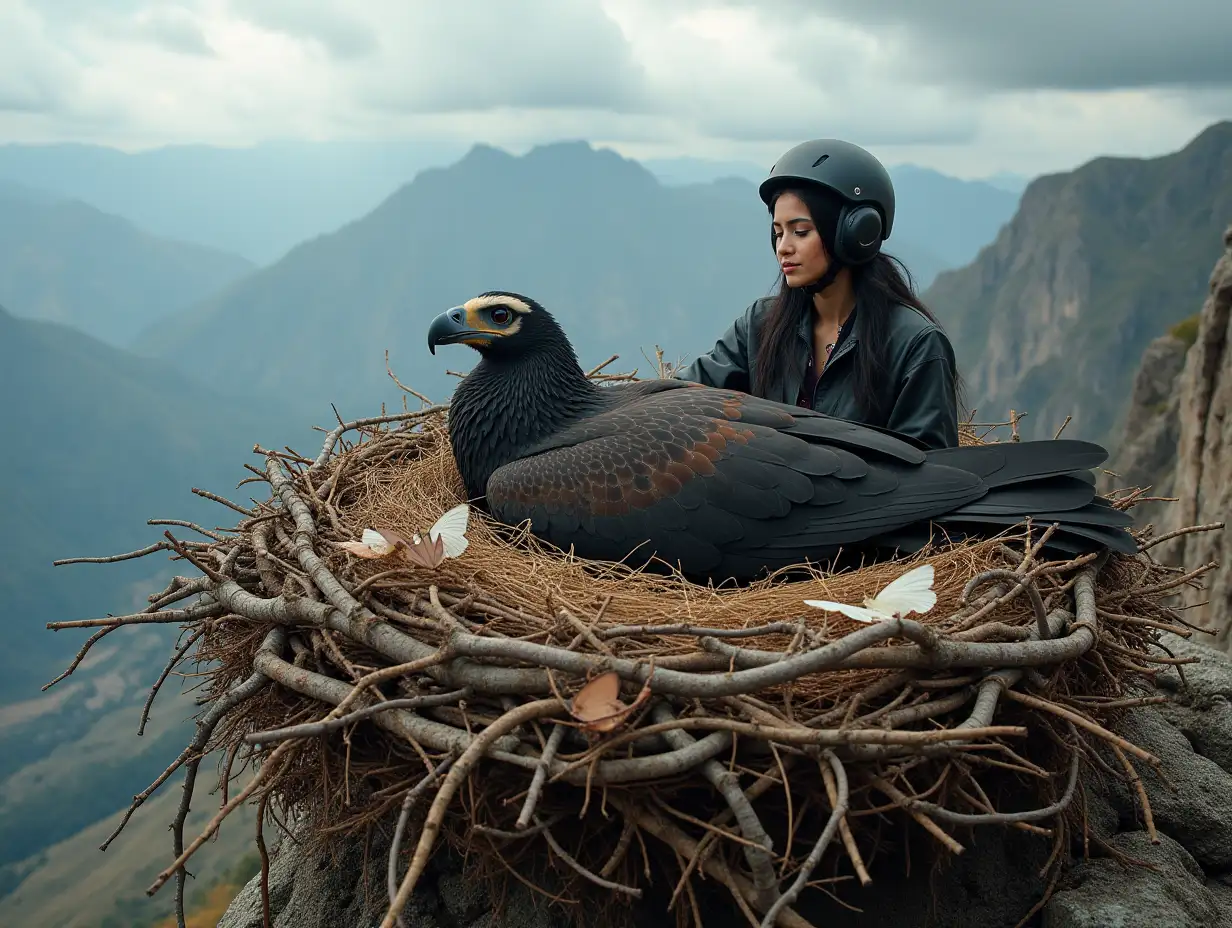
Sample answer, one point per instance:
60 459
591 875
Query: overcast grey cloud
344 35
476 55
175 29
968 87
1043 44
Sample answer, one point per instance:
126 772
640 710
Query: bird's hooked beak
451 327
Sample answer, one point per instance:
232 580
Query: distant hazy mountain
675 172
257 201
1008 180
1054 316
623 261
955 218
64 261
261 201
594 236
96 442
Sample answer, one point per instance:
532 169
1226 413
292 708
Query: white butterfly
912 592
446 538
450 530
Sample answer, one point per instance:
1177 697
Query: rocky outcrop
1054 315
1147 453
1183 881
1203 481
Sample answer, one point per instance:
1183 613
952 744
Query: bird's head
497 324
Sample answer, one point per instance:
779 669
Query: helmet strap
825 279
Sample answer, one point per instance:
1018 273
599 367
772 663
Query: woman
845 335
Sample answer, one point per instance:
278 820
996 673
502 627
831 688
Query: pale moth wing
912 592
451 529
859 613
373 543
376 541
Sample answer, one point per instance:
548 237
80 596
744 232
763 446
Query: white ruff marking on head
483 302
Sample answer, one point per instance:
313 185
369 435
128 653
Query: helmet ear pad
857 240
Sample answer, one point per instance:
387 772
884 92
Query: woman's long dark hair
878 285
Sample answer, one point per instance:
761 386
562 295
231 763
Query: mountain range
625 261
256 201
63 260
1054 314
261 201
98 441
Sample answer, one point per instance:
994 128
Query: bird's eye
501 315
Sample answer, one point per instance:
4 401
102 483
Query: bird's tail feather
1008 463
1048 481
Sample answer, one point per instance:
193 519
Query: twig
112 559
206 494
757 852
541 772
1136 780
436 814
275 639
923 820
997 818
1025 583
331 439
830 778
739 885
175 659
192 525
81 655
272 764
324 727
814 857
598 367
1188 530
266 920
577 867
413 796
1069 715
401 386
191 614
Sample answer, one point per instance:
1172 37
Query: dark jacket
921 365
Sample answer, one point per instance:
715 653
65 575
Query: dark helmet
852 173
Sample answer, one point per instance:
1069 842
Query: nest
755 742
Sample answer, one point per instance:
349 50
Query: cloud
34 74
174 30
344 36
734 74
966 87
476 55
1091 45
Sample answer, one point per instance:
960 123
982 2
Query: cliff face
1053 317
1146 456
1203 480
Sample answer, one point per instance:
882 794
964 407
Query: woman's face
799 248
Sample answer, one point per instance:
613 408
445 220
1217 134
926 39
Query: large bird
720 484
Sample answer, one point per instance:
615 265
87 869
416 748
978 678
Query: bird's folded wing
709 473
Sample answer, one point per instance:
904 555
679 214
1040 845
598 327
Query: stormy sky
971 88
